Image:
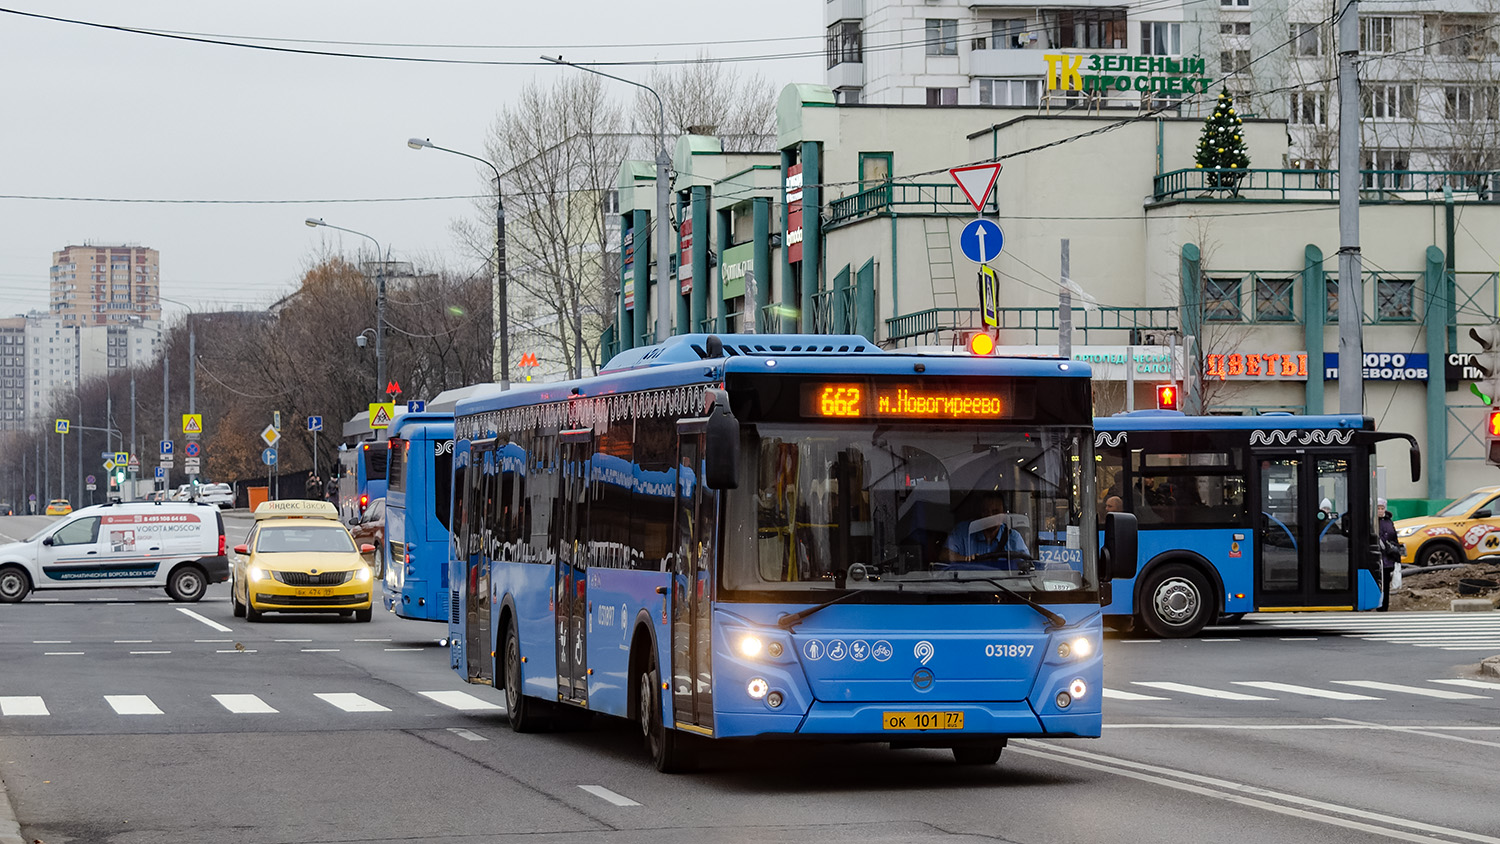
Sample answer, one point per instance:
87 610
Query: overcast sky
93 113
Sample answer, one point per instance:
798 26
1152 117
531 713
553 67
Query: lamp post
379 300
663 192
502 281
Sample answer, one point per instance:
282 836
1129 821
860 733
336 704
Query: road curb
10 828
1490 667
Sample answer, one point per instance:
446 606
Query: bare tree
712 98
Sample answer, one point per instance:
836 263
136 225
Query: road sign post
315 424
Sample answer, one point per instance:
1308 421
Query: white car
219 495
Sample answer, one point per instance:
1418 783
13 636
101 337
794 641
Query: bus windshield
914 510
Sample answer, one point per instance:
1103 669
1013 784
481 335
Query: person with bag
1390 555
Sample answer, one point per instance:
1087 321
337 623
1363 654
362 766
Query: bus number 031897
1008 650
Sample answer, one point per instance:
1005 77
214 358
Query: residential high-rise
105 285
12 374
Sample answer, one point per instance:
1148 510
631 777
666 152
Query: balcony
846 75
1312 185
843 10
1120 325
901 197
1010 62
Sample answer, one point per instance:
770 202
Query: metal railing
909 197
1135 322
823 320
1375 185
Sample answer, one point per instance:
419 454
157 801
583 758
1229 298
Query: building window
1161 39
942 37
1458 38
1307 39
1101 29
1471 102
1236 28
1377 34
1007 34
942 96
1233 61
1331 297
845 43
1387 101
874 169
1309 108
1385 168
1010 92
1273 300
1221 299
1393 298
846 96
1239 4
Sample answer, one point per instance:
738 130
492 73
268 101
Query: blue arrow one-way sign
981 241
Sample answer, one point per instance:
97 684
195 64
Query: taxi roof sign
296 509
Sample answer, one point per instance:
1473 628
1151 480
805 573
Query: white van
174 545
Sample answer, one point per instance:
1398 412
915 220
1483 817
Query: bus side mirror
1119 554
1416 462
721 448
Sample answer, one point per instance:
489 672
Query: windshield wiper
1054 620
789 621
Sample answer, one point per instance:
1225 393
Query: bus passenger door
692 585
478 639
1309 531
574 450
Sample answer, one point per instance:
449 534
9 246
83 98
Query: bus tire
187 584
978 754
524 712
666 747
1176 601
14 584
1440 554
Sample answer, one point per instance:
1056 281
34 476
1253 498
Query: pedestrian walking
1390 555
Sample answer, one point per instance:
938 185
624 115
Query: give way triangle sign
976 182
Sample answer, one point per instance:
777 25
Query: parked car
219 495
59 507
369 529
6 509
1462 532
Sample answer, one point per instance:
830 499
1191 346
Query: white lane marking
462 701
294 640
320 650
350 702
212 641
140 653
244 704
1299 638
62 653
1410 690
1420 731
52 641
210 622
132 641
603 793
403 649
1140 641
1200 691
23 705
1116 694
1473 684
61 604
1351 725
468 735
372 640
237 651
1302 690
1211 641
1245 794
119 603
132 705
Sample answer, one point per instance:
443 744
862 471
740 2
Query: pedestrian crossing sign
381 414
192 423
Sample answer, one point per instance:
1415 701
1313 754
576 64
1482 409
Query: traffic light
1492 438
1487 362
119 476
981 343
1166 396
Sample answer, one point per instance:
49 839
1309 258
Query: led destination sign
898 400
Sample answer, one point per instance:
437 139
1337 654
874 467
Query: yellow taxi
300 558
59 507
1462 532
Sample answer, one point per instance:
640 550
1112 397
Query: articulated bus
362 469
417 500
1243 514
784 536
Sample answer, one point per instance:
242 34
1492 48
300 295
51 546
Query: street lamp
502 281
663 164
379 300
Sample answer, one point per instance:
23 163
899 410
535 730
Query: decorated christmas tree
1222 147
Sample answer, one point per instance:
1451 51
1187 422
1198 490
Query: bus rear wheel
978 754
1176 602
666 746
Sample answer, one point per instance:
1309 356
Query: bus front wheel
1176 602
666 746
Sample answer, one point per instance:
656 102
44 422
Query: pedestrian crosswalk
1438 630
22 706
1371 690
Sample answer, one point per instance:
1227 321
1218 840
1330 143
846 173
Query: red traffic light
1166 396
1494 428
981 343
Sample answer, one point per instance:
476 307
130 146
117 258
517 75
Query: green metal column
684 323
864 300
623 326
722 222
812 228
641 226
788 299
698 211
1435 325
760 209
1191 278
1314 316
840 309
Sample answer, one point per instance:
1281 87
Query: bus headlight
1080 647
257 574
751 646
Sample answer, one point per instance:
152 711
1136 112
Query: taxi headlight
1408 531
362 574
257 574
750 645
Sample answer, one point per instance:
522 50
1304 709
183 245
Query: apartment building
105 285
12 374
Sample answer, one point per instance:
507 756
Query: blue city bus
1242 514
418 496
787 536
362 469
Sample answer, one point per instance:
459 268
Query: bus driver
988 538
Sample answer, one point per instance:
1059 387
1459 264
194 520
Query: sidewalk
10 828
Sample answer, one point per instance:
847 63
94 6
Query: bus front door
692 587
574 451
1309 531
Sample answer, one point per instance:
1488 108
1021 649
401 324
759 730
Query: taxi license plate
314 593
922 721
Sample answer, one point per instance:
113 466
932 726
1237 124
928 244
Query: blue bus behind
787 536
417 500
362 470
1242 514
